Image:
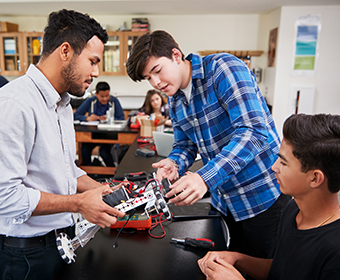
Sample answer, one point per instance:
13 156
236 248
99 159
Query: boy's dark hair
147 108
315 141
157 44
72 27
102 86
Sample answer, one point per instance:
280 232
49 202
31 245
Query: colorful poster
306 45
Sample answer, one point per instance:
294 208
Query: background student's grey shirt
37 153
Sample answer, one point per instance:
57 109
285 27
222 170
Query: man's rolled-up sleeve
17 201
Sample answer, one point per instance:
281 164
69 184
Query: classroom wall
192 32
267 22
240 32
326 80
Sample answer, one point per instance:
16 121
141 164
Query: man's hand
166 169
220 265
189 189
95 210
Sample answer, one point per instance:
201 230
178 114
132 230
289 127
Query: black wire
133 211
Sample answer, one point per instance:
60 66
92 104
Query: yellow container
36 46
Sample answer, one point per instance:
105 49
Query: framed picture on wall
272 47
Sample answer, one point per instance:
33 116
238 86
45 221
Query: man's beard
70 78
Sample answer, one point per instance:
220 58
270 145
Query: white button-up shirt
37 153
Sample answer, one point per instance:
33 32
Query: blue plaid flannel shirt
228 122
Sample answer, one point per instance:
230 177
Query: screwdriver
195 242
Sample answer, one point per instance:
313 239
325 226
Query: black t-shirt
306 254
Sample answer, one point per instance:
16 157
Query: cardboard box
8 27
148 126
9 65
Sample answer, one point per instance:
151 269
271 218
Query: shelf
235 53
116 52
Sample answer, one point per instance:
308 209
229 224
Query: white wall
242 32
267 22
327 76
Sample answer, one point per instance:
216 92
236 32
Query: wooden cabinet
116 52
18 50
11 53
32 47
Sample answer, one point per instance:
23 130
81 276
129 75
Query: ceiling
152 7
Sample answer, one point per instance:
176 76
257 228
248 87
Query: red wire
155 224
158 184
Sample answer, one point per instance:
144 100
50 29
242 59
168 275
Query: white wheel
65 249
163 206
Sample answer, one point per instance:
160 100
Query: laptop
163 142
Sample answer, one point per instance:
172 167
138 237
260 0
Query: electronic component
166 184
145 152
137 221
116 197
122 201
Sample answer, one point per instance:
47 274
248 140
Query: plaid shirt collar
197 73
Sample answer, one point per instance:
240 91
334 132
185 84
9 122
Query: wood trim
98 169
86 137
236 53
123 138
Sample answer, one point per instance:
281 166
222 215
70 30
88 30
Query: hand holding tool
195 242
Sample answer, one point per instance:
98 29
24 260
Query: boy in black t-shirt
308 245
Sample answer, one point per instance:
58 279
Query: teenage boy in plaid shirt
218 111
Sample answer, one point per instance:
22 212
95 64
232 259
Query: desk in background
91 134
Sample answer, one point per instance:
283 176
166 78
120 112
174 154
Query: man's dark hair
72 27
157 44
315 141
102 86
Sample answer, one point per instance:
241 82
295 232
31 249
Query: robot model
123 199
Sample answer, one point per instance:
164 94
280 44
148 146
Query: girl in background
155 104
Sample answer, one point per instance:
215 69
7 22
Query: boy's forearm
255 267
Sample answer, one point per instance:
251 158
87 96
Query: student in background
94 109
216 109
154 104
308 245
40 185
3 81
